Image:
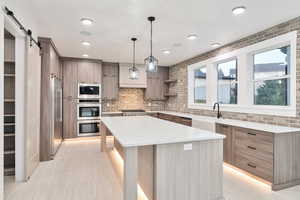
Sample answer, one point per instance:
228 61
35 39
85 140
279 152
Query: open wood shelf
9 171
170 81
9 75
9 100
170 95
9 135
9 152
9 115
9 124
9 61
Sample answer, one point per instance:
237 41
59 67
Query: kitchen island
165 160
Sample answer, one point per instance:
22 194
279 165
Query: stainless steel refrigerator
56 132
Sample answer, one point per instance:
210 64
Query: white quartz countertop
145 130
111 113
239 123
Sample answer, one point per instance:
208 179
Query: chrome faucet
219 113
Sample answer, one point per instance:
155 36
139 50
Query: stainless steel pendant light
133 71
151 62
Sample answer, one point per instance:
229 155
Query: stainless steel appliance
88 111
56 115
133 112
89 90
88 128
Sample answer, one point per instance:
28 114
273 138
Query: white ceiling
116 21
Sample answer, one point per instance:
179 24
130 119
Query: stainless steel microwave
88 128
88 111
89 90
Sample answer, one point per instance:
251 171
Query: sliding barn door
32 108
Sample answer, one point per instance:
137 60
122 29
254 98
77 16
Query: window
260 79
227 82
272 77
200 85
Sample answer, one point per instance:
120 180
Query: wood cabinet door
110 81
153 87
97 73
156 87
70 118
86 72
227 142
70 84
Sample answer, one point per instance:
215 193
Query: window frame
201 67
245 67
288 77
236 81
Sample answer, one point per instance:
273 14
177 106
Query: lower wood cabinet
253 152
69 118
227 142
269 156
153 115
176 119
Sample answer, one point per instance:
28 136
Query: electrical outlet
188 147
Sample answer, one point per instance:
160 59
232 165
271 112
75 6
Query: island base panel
191 174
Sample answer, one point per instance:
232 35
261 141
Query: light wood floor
81 172
78 172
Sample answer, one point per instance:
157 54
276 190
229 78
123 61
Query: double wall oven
88 109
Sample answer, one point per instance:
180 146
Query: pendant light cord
133 63
134 54
151 40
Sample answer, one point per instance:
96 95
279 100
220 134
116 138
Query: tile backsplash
131 98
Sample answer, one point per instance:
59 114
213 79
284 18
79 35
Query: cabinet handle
250 165
253 148
224 126
254 134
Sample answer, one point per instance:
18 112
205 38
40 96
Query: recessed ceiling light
85 55
86 21
192 37
216 44
85 43
238 10
166 51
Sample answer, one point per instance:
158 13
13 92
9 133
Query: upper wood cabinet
156 87
70 83
89 72
110 81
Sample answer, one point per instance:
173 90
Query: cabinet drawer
254 144
253 150
254 166
254 136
